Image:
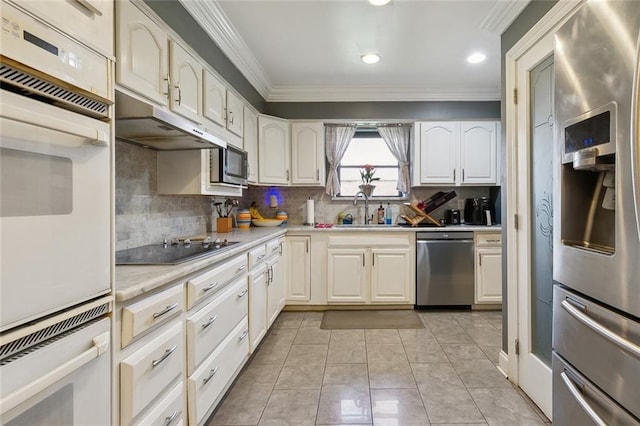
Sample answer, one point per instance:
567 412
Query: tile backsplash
145 217
293 201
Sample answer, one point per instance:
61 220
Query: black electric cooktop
169 254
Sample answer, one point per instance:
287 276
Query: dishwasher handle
443 241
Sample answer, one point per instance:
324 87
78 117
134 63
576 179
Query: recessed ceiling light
370 58
476 58
379 2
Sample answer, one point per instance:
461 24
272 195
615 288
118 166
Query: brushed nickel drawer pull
211 374
261 256
243 267
243 335
165 310
242 293
493 241
211 321
172 417
164 356
210 287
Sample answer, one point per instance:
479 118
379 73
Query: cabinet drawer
211 281
488 239
211 324
145 373
168 411
141 316
257 255
274 247
209 380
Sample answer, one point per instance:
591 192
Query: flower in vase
366 174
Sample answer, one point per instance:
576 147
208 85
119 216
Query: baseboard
290 308
503 363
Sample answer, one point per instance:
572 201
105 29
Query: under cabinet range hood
144 124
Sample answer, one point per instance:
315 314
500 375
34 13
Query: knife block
224 224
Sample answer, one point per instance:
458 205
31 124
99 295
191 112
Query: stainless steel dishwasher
445 274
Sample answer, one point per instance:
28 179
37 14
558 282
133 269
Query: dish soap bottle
380 215
388 215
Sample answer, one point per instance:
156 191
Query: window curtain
397 139
337 138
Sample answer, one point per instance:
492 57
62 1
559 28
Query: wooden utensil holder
224 224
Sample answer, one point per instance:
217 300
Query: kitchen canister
282 216
243 219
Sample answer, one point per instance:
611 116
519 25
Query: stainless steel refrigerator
596 306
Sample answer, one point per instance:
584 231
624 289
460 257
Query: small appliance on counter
452 217
479 211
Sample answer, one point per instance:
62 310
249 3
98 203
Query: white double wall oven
55 223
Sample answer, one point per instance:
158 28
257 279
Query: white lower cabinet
488 288
390 275
168 411
148 371
276 279
257 305
206 385
347 276
298 277
368 268
210 325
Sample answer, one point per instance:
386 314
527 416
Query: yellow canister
243 219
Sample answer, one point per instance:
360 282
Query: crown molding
375 93
502 14
210 16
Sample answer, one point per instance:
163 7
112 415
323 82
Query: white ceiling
309 50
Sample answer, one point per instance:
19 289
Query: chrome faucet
366 205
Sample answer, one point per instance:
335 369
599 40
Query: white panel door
478 158
142 53
275 289
347 276
390 275
438 153
214 99
186 83
250 141
234 114
299 269
273 150
307 153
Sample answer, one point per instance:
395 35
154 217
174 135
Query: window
367 147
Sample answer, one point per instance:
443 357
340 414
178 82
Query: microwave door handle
99 347
97 136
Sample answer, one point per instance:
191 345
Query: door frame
535 46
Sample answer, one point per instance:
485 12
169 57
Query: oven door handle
99 347
96 136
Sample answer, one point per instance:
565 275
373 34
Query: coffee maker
475 211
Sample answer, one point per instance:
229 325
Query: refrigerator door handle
623 343
580 399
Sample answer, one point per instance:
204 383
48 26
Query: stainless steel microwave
229 165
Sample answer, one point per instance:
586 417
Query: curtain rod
368 125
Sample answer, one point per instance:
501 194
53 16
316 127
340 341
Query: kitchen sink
365 226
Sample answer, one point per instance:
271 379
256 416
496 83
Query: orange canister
243 219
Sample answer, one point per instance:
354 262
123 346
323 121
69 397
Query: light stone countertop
394 228
135 280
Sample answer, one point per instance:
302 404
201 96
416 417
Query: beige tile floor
443 374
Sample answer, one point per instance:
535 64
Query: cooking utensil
218 206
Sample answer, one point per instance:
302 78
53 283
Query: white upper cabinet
234 114
223 108
186 83
307 153
250 139
478 152
142 54
457 153
214 99
274 150
438 153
